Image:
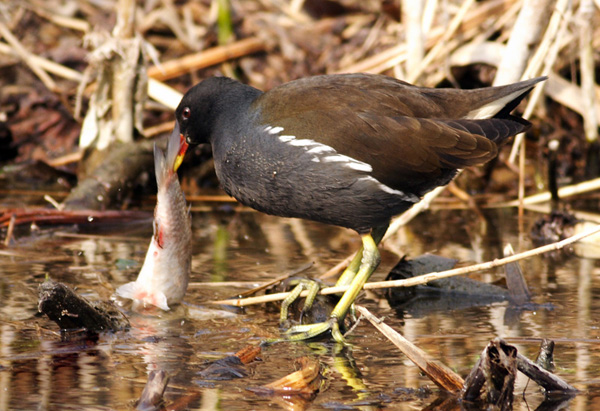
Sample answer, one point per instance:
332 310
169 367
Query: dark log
71 311
111 177
474 382
443 294
495 373
494 376
500 370
550 382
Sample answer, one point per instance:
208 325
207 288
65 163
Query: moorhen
352 150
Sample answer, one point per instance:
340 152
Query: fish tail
161 168
166 164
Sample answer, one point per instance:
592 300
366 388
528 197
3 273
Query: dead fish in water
163 279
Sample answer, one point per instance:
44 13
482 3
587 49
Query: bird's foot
308 331
313 288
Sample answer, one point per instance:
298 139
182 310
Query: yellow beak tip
183 146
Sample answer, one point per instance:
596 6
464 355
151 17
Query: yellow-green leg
356 275
350 271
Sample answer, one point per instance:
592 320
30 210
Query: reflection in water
39 371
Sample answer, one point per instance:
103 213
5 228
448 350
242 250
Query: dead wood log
494 374
71 311
548 381
111 178
493 377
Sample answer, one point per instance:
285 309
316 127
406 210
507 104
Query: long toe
309 331
312 286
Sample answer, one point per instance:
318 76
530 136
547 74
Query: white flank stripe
360 166
321 148
314 147
303 142
275 130
350 162
385 188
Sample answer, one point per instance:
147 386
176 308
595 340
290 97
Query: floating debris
305 382
232 366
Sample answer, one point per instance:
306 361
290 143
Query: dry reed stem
157 90
423 279
62 21
159 129
569 94
397 54
164 94
585 15
545 55
174 68
563 192
338 268
556 87
66 159
580 215
10 230
412 14
20 51
506 18
549 50
45 64
525 35
513 66
441 44
437 372
412 212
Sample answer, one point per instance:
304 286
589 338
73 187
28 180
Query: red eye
186 113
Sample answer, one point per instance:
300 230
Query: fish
164 277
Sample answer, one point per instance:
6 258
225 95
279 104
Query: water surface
38 370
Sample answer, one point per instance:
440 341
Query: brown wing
390 97
425 150
368 117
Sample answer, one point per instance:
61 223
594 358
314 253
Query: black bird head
209 102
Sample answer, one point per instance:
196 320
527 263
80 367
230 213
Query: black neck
231 104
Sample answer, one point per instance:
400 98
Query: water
39 371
